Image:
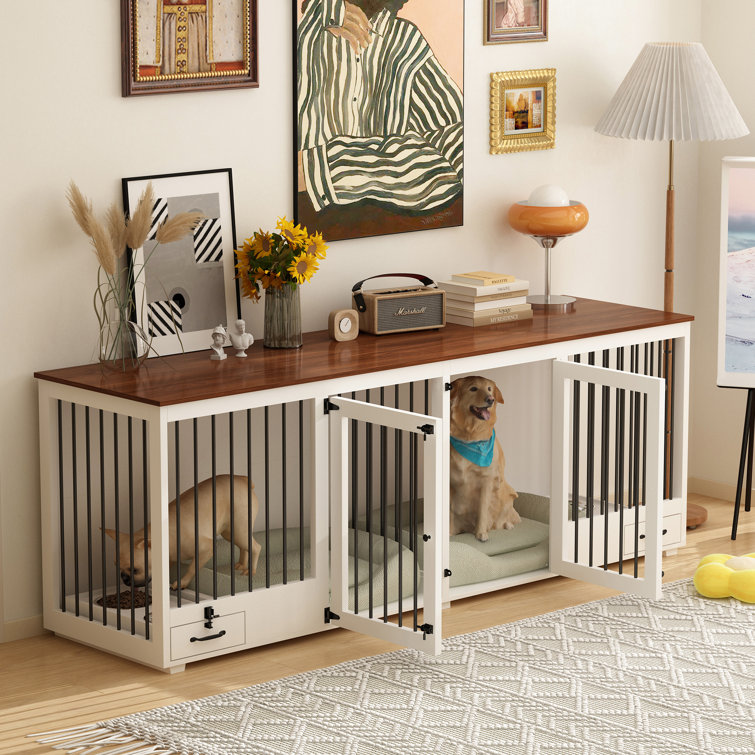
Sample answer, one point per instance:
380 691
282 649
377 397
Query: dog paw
482 537
174 586
508 525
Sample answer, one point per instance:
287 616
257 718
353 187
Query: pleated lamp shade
672 92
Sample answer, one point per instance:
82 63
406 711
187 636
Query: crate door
386 523
606 499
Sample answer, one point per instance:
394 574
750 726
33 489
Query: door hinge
209 615
330 616
447 573
329 406
426 430
448 386
425 629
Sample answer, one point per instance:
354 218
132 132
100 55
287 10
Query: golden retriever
481 499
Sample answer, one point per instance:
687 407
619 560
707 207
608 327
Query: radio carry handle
357 288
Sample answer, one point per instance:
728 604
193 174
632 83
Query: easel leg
745 456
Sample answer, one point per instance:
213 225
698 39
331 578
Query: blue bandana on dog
479 452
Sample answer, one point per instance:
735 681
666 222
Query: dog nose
490 401
126 578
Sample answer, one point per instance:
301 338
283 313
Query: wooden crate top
181 378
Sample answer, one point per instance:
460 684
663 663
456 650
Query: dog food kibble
111 601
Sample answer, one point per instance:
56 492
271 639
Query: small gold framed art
522 110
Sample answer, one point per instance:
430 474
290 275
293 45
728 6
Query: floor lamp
672 93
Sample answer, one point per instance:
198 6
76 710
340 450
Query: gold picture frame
515 21
522 110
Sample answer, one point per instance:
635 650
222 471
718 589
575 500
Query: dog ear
111 534
497 394
455 386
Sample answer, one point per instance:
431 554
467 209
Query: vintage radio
397 310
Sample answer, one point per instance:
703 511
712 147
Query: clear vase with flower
278 262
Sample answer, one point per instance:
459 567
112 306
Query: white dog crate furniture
346 447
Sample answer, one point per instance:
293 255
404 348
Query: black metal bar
355 503
576 419
590 481
384 506
249 498
397 502
368 511
636 477
145 505
301 490
132 592
267 496
231 497
743 457
117 507
214 507
61 509
195 433
75 501
88 454
103 536
177 498
284 493
649 351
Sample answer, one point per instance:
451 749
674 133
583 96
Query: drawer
671 528
193 639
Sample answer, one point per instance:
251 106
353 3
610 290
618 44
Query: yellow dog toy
721 576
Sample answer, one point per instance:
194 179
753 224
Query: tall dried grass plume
178 226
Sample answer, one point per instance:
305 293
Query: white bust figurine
240 339
219 337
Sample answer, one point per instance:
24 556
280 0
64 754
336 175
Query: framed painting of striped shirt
184 289
379 127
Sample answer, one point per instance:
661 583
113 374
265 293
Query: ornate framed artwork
379 120
515 21
188 45
522 110
186 288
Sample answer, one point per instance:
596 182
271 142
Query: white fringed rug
616 676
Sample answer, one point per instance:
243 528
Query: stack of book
484 298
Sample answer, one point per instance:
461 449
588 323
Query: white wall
63 117
718 413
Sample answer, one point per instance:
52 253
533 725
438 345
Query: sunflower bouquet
283 258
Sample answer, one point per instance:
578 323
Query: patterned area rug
621 675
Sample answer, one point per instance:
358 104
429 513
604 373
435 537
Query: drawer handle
221 633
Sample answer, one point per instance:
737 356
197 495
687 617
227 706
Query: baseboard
712 489
22 629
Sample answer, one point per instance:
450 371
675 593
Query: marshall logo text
402 311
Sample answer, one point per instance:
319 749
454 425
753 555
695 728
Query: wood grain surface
181 378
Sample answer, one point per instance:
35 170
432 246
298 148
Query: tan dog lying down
481 499
206 535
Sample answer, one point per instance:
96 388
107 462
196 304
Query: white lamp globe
548 195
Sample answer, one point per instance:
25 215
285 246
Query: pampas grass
138 226
175 228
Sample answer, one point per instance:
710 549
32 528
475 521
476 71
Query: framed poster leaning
736 291
186 288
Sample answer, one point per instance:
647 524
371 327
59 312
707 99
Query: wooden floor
48 683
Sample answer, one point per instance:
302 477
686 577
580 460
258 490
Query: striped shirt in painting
384 123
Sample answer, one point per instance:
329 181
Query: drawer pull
221 633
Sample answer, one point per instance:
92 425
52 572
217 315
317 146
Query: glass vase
282 318
123 345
